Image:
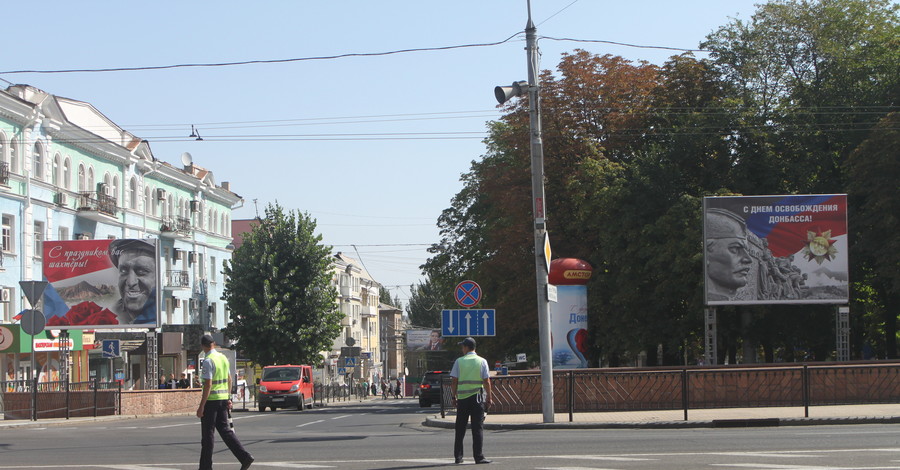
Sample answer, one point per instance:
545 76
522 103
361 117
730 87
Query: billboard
101 284
424 340
775 249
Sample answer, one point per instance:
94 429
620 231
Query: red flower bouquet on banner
85 313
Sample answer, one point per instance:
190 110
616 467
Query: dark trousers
469 408
215 417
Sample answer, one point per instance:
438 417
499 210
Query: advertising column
568 315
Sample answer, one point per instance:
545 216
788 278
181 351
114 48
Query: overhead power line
264 61
328 57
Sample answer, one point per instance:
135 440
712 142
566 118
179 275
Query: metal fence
696 388
21 399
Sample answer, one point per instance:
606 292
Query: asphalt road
388 435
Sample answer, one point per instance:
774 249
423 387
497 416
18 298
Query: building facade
67 172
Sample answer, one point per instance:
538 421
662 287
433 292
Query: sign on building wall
101 283
776 249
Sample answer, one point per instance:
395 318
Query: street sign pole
34 291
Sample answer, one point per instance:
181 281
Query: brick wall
151 402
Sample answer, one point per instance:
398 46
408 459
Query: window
3 148
57 166
8 234
133 193
114 189
212 269
67 174
149 207
14 156
38 239
82 179
63 233
8 309
90 180
38 161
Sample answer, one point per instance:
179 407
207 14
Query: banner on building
101 284
424 340
775 249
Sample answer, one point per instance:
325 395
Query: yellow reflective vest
219 389
469 382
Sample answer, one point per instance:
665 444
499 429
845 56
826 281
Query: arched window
133 193
227 225
114 190
148 201
210 221
14 155
67 174
37 158
171 206
4 149
90 180
82 179
57 167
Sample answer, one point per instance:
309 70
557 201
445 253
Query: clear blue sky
372 147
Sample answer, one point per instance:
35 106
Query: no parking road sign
468 294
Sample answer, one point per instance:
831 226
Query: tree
384 296
874 172
278 288
425 305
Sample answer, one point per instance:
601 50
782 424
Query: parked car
430 388
286 386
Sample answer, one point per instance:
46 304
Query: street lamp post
541 243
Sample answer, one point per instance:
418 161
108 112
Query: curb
716 423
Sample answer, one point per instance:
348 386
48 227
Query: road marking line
573 468
796 467
311 422
341 417
290 465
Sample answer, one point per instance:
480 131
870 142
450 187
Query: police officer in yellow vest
471 386
215 373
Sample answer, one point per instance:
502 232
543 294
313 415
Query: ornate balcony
175 227
97 206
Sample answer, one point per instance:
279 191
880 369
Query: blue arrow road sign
111 348
480 322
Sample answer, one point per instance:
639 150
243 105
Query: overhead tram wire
264 61
329 57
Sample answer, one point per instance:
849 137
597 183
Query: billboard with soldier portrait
775 249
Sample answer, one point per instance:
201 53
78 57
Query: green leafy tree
425 305
384 296
278 288
874 174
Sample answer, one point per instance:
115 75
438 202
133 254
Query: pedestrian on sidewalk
471 392
215 407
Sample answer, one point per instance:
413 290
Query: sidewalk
707 418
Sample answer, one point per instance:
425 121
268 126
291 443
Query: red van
285 386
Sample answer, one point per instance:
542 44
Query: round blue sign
468 294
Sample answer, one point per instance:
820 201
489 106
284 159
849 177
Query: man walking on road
215 406
471 387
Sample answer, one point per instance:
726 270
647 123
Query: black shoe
459 460
246 463
484 461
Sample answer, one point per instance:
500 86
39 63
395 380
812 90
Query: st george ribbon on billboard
101 283
788 249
